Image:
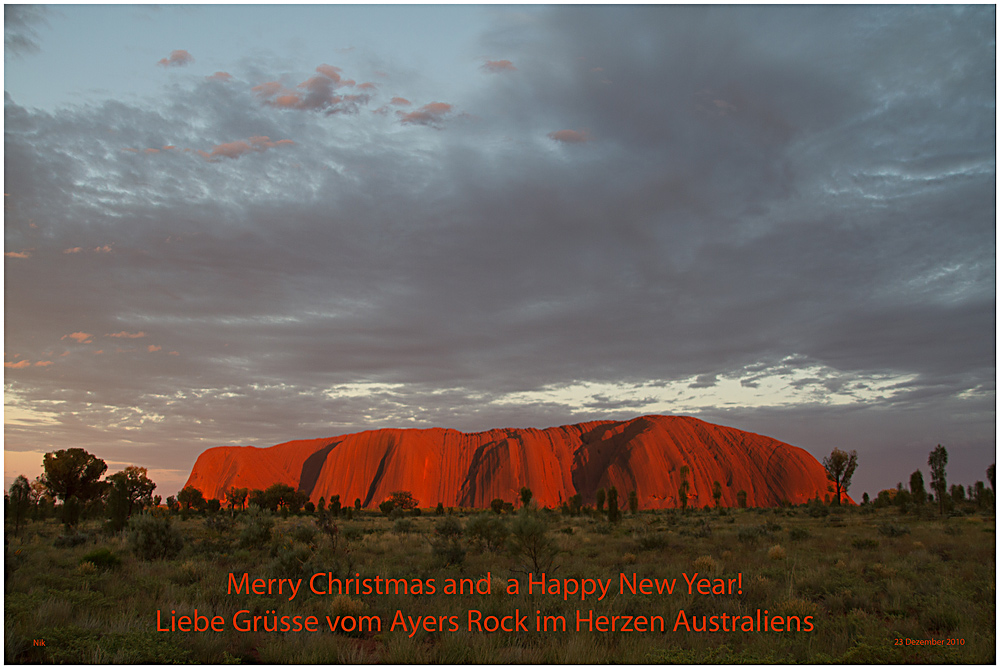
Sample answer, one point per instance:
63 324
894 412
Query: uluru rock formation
458 469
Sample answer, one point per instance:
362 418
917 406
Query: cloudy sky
250 224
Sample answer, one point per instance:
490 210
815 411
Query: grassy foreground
872 581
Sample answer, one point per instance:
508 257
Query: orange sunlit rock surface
459 469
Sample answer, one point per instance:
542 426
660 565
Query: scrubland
871 581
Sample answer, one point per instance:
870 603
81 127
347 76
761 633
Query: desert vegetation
867 575
101 572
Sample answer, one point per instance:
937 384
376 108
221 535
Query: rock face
458 469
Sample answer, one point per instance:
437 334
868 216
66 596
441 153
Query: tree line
73 478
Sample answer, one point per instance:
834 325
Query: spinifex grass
864 580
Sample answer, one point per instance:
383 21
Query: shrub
153 538
486 532
256 530
865 543
708 564
776 553
351 533
439 510
614 513
303 533
497 505
387 507
749 535
403 526
445 546
530 542
798 534
650 541
890 530
102 558
70 540
448 527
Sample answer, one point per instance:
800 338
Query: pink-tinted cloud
127 335
173 353
153 348
315 93
152 150
400 102
79 337
330 72
130 150
103 249
219 76
237 149
177 58
430 114
367 86
43 363
267 89
570 136
168 147
499 66
21 364
75 249
18 254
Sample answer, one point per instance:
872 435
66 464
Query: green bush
653 541
531 544
798 534
445 546
749 535
351 533
256 530
486 532
102 558
890 530
303 533
153 538
70 540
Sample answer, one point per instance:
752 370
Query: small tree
73 473
357 503
717 493
840 468
937 461
71 509
614 513
525 496
575 504
20 501
530 541
601 496
237 498
136 487
957 493
917 490
335 505
497 506
403 499
191 497
682 491
741 499
865 499
633 502
991 474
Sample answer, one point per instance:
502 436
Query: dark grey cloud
801 196
20 28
